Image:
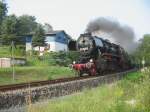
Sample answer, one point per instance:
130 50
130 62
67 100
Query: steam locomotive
98 56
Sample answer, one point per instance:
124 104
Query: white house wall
28 46
60 47
56 46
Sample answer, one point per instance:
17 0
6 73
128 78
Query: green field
50 66
128 95
6 51
33 73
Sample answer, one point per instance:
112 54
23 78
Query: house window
59 38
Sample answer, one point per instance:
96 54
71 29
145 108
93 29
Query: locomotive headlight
91 60
74 62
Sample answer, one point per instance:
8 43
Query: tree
38 37
48 28
143 51
3 11
9 29
27 24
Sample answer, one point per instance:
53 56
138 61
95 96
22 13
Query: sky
74 15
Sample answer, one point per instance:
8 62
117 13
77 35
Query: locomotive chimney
86 34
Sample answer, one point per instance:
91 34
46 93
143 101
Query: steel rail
11 87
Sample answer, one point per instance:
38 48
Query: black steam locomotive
98 56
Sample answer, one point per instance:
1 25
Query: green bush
19 50
53 58
6 51
135 76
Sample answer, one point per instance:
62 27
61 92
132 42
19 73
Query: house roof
58 31
54 32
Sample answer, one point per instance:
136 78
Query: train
98 56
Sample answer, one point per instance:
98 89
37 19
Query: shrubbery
142 51
136 89
53 58
18 51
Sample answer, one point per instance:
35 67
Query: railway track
20 94
11 87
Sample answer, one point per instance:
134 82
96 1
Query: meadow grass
5 52
128 95
33 73
36 68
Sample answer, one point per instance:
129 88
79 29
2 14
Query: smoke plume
121 34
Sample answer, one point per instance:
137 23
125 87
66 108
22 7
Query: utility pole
13 61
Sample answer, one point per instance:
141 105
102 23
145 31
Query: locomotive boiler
99 56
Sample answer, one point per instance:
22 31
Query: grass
128 95
5 51
33 73
36 68
134 76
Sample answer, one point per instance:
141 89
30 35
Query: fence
5 62
8 62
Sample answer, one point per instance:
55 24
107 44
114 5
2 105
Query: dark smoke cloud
122 34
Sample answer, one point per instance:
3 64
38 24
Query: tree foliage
26 24
14 28
9 29
143 51
38 37
9 25
3 10
48 28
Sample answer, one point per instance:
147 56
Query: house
28 39
55 41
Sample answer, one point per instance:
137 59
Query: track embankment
21 94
